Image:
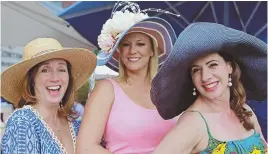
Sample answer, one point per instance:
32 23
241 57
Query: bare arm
182 139
94 119
255 122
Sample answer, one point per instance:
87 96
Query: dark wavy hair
237 93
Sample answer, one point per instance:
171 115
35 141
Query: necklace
58 122
58 125
140 89
71 127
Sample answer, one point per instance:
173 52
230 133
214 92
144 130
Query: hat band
43 52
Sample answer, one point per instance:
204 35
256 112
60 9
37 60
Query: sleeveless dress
132 129
250 145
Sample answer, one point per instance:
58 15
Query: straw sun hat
83 63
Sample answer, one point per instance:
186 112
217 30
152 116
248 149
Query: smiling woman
51 84
219 68
135 44
137 52
42 88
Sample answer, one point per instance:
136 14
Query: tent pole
226 13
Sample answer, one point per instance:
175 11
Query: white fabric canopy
22 22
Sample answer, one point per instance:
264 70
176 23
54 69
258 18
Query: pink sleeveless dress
131 129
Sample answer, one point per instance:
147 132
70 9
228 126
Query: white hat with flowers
131 19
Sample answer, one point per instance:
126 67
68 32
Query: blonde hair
28 95
153 63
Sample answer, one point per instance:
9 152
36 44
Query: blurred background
78 23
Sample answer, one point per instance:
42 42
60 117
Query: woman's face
51 81
210 74
136 51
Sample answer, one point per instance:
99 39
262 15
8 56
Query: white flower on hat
140 16
105 41
114 27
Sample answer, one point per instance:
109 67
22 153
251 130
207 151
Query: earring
194 93
61 105
230 81
32 83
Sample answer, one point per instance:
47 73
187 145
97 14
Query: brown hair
28 94
238 94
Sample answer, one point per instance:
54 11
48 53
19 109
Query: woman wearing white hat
42 88
120 109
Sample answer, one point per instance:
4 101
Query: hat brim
83 63
158 29
172 87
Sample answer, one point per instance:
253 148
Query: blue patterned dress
27 133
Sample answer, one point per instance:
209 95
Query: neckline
132 102
236 140
211 137
50 131
219 141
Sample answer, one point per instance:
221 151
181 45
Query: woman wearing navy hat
218 68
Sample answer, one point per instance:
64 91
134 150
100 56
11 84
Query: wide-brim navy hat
172 87
158 29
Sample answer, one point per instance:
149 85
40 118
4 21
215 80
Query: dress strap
209 134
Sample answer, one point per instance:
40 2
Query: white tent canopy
102 72
22 22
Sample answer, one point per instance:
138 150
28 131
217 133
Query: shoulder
247 107
191 123
187 133
103 88
19 130
106 82
253 118
22 116
191 117
26 110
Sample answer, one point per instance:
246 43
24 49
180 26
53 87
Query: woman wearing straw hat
218 69
120 109
42 88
